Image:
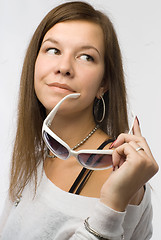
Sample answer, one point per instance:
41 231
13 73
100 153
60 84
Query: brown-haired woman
75 50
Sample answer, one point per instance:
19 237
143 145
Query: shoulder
136 211
138 218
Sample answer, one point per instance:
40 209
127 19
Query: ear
101 91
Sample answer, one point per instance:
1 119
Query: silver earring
104 110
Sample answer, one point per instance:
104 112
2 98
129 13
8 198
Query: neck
73 129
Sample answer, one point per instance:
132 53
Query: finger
136 128
126 138
140 141
136 148
121 153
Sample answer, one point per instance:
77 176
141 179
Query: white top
54 214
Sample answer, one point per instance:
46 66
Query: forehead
78 32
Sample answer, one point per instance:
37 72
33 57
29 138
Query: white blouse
54 214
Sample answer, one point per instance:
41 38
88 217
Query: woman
50 198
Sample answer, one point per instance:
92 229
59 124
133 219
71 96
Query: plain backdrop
138 26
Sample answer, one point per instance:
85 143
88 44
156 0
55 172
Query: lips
62 86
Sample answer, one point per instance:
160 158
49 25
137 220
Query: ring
139 148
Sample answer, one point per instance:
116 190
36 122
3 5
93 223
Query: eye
87 57
53 51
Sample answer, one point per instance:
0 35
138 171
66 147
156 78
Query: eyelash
89 57
57 50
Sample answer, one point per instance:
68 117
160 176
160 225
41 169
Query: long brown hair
29 148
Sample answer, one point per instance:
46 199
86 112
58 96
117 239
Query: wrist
97 234
107 221
114 201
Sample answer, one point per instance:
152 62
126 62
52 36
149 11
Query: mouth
61 86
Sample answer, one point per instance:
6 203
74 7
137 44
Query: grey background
137 24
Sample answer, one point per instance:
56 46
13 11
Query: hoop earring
104 110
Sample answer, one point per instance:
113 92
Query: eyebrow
50 40
82 48
90 47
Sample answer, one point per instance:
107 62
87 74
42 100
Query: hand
132 169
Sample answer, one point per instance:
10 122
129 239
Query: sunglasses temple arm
53 112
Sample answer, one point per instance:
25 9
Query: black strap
85 173
85 179
78 179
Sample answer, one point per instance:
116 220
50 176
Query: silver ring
139 148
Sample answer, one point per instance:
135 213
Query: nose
65 66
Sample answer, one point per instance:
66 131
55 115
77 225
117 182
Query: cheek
38 70
42 67
38 76
93 79
90 85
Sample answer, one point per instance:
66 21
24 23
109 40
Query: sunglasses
90 159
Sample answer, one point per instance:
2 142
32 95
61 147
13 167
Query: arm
132 169
144 227
104 220
143 230
135 223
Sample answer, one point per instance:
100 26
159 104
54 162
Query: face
70 60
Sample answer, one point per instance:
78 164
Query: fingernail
111 146
137 120
115 168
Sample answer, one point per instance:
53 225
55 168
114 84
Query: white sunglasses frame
45 128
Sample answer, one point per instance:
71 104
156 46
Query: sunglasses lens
56 147
97 161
